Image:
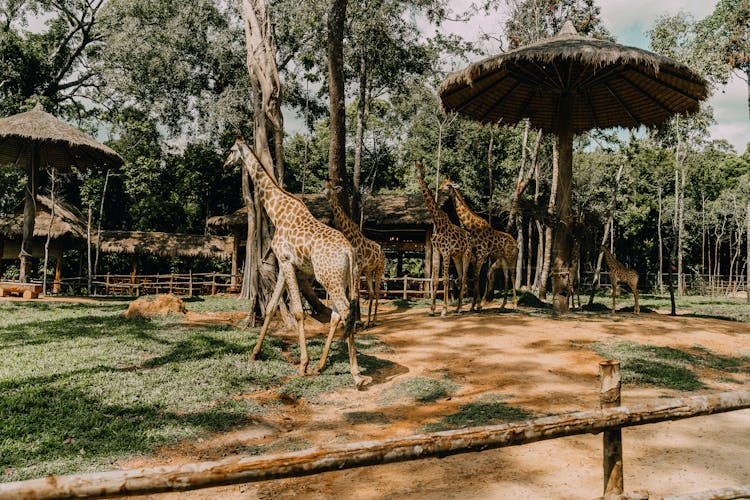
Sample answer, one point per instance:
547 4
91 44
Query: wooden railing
146 284
608 420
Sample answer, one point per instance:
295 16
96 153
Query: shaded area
667 366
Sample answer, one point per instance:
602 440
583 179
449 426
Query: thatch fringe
68 221
166 244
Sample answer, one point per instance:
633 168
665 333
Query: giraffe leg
378 284
463 264
488 297
478 265
335 319
446 271
512 274
506 276
634 287
614 290
371 299
435 278
270 311
295 306
340 304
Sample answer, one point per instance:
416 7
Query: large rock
158 305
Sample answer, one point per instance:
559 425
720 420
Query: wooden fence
608 420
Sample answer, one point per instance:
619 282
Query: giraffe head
236 152
447 187
419 168
329 189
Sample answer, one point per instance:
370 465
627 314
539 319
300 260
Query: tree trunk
747 250
362 108
337 145
660 278
489 174
29 216
561 265
268 130
551 221
99 221
49 230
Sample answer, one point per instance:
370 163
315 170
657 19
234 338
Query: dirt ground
536 363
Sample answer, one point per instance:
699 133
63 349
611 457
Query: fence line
336 457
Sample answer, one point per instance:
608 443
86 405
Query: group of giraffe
306 248
476 242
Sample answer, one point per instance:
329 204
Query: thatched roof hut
67 222
166 244
395 220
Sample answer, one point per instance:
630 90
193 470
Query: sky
628 21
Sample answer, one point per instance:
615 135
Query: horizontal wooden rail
246 469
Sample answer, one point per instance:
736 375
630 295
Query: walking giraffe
501 248
304 245
448 242
370 257
621 274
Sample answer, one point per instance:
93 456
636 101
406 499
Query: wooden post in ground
190 283
58 272
609 397
213 283
406 278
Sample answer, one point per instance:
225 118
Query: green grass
668 367
80 386
489 410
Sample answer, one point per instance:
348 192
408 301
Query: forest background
166 85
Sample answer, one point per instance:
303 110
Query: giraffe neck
439 217
611 261
343 221
268 189
466 215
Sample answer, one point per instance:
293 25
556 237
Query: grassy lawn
80 386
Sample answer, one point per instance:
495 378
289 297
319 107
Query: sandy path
539 364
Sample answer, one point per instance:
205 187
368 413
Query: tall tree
337 106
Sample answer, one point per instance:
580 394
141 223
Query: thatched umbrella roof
60 145
611 85
566 84
36 139
380 210
166 244
68 221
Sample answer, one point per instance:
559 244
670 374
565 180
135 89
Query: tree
337 106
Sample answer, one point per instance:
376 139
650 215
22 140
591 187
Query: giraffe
448 242
304 245
368 254
501 248
621 274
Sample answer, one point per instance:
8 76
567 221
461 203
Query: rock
159 305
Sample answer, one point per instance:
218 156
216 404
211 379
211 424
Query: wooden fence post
213 283
609 397
190 284
406 287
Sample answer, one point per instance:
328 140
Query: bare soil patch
524 359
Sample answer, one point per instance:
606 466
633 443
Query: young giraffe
490 243
304 245
370 257
448 242
621 274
